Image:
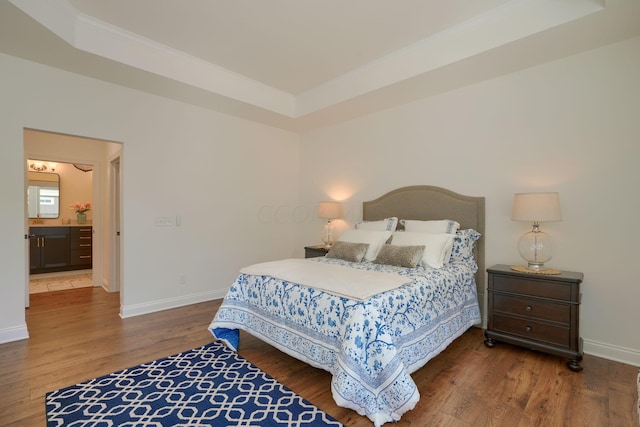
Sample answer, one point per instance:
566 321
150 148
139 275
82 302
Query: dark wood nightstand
537 311
315 251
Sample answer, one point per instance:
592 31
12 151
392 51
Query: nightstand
537 311
315 251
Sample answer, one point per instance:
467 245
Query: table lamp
536 247
328 211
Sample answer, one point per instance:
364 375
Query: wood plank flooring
77 335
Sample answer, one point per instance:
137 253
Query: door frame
115 235
99 169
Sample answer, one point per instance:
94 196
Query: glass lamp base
327 240
536 266
536 247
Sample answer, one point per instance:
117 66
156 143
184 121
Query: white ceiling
291 45
299 64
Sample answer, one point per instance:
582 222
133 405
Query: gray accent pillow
348 251
400 256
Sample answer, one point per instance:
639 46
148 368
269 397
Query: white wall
219 173
247 192
570 126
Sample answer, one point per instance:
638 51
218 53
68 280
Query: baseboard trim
612 352
14 333
107 287
166 304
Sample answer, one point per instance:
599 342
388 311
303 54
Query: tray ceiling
302 64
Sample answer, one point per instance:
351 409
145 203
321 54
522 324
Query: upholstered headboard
425 202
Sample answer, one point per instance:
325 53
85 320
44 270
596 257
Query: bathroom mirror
43 195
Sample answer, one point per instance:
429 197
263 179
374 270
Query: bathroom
59 206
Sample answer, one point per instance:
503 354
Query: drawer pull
82 237
528 308
85 256
527 329
88 244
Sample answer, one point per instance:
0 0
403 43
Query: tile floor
49 284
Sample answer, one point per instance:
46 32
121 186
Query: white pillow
387 224
438 226
436 246
374 238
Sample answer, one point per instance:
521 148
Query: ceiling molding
481 48
511 22
100 38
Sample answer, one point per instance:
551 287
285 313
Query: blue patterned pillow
463 244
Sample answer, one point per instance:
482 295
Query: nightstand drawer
528 307
530 329
544 288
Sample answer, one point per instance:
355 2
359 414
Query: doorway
64 149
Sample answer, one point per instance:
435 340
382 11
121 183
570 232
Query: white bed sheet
343 281
370 347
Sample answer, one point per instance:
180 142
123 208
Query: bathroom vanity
60 248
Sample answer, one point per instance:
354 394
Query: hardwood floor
77 335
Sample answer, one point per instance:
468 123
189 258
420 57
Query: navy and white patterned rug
206 386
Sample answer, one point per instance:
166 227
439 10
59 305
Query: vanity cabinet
80 255
59 249
48 249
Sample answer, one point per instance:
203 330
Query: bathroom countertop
73 224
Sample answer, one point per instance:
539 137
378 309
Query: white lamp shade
329 210
536 207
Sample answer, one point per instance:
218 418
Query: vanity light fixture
41 166
83 167
328 211
536 247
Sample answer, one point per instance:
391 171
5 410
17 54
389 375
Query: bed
370 343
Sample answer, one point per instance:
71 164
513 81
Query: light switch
163 221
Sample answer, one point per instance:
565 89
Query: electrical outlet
183 279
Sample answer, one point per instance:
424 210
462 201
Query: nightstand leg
574 365
489 342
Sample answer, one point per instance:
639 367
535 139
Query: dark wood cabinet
48 249
81 247
59 249
537 311
315 251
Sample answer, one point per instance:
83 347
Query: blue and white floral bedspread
370 347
